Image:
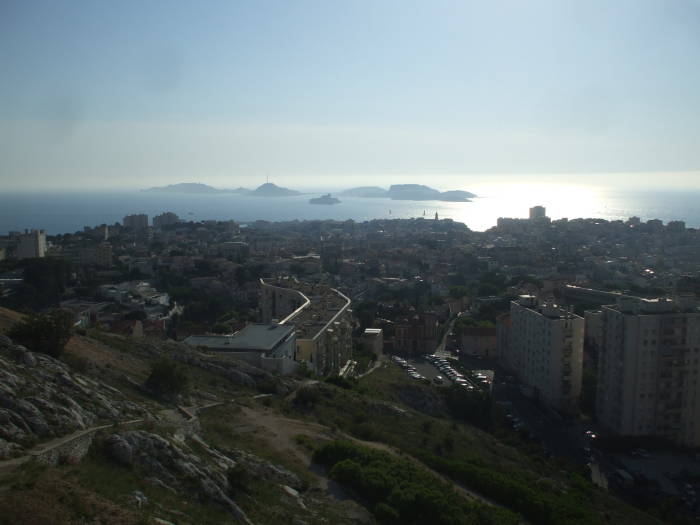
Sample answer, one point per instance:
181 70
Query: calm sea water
69 212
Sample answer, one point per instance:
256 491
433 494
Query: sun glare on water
514 200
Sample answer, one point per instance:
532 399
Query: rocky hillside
94 447
42 398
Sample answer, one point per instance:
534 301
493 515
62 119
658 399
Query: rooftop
324 305
263 337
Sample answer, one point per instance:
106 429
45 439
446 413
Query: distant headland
265 190
194 187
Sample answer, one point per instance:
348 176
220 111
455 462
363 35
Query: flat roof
253 337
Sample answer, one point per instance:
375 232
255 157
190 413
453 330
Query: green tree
46 332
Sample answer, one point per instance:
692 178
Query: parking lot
441 372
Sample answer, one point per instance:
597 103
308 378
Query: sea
68 212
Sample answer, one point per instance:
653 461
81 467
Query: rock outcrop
162 460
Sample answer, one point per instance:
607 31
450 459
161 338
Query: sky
102 94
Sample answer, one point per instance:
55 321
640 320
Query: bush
168 379
308 395
47 332
342 382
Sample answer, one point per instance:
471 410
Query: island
369 192
194 187
272 190
456 196
409 192
324 199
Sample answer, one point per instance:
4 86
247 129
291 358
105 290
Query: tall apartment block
165 219
538 212
546 351
31 244
648 369
136 222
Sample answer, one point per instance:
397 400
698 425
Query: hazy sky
343 92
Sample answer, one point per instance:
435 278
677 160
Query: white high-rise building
31 244
648 369
546 351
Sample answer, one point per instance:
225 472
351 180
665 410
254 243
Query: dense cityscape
576 338
307 263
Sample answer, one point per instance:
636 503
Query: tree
168 379
136 315
46 332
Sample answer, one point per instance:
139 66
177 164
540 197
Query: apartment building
546 351
648 369
321 318
136 222
165 219
416 334
538 212
31 244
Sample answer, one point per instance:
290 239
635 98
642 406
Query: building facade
136 222
538 212
321 316
31 244
165 219
546 351
648 369
417 334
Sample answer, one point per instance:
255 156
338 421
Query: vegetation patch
399 491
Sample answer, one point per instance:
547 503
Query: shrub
308 395
46 332
168 379
342 382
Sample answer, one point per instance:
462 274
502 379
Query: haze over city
337 94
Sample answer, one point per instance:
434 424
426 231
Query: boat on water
324 199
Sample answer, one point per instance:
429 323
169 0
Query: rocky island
369 192
324 199
272 190
409 192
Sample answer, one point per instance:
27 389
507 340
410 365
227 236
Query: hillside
85 441
8 318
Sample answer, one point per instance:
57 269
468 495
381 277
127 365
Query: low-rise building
373 339
268 346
